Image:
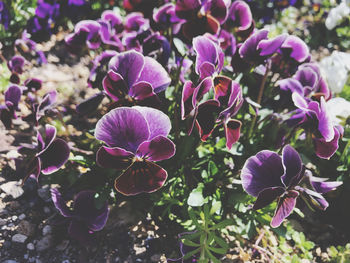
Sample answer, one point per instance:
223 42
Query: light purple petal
325 125
158 149
292 165
158 122
241 15
60 204
295 48
249 49
141 91
268 47
187 99
326 149
123 127
323 187
292 85
155 74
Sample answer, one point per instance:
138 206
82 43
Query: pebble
14 218
26 256
44 193
2 221
47 210
44 243
19 238
47 230
156 258
10 261
66 261
26 228
12 188
22 216
2 195
30 246
139 250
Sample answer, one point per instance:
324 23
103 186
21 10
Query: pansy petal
284 208
85 209
299 101
206 118
206 51
292 85
116 158
206 70
128 65
241 15
90 104
325 124
186 8
326 149
158 122
232 132
267 196
262 171
203 88
60 204
268 47
158 149
141 177
13 94
155 74
54 156
141 90
323 187
115 86
187 99
248 51
218 9
295 48
292 165
123 127
79 231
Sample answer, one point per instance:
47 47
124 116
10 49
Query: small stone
21 216
12 188
2 221
30 246
44 193
11 225
31 260
47 230
25 256
19 238
14 205
2 195
66 261
10 261
44 243
139 250
26 228
47 210
156 258
14 218
63 245
38 260
7 244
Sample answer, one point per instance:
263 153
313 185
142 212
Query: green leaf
221 242
211 256
212 168
196 198
223 224
191 253
180 46
218 250
190 243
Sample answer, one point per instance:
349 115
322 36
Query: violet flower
52 153
241 18
165 17
136 138
269 176
16 64
201 16
8 111
314 118
26 46
84 217
135 78
4 15
209 57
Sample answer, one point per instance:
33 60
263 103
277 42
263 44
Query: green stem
261 92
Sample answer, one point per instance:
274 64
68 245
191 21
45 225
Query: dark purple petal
284 208
115 158
217 9
240 15
47 102
203 88
158 122
292 165
123 127
158 149
13 94
141 91
206 118
53 157
128 65
141 177
50 135
295 48
315 199
326 149
79 231
186 8
90 104
16 63
85 209
267 196
232 132
115 86
155 74
264 170
60 204
307 77
291 85
33 83
186 99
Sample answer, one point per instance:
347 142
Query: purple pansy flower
314 118
4 15
240 17
133 77
201 16
269 176
84 217
52 153
209 57
16 64
8 111
165 17
136 138
26 46
307 82
209 114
